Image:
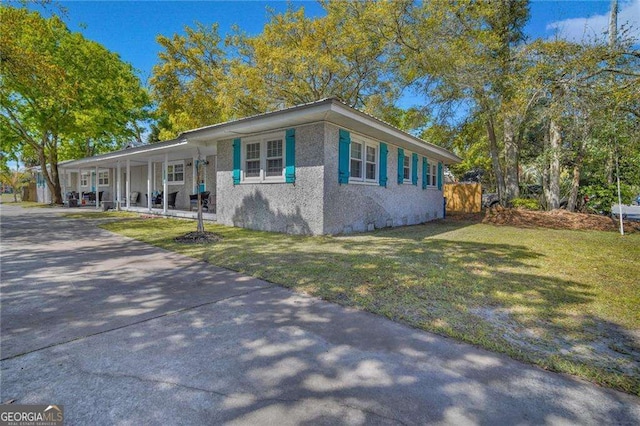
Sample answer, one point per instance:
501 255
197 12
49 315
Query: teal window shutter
236 161
414 168
425 166
400 166
344 146
440 176
290 167
384 151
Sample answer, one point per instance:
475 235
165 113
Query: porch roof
204 139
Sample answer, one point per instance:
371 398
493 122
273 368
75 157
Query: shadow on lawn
248 353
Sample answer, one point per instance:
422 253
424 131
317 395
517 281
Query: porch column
97 191
165 184
149 184
119 186
195 176
114 187
128 183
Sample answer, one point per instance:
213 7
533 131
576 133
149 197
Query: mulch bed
198 238
556 219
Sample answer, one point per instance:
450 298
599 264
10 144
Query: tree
186 81
62 96
14 179
469 52
295 60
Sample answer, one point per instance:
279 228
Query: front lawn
565 300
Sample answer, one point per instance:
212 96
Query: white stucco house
316 168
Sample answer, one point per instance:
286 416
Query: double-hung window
263 158
363 166
275 157
103 178
406 166
434 175
84 179
175 173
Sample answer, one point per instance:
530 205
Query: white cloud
588 29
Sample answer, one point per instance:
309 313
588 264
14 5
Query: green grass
567 301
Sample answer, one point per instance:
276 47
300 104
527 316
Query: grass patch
98 214
564 300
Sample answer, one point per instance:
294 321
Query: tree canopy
63 96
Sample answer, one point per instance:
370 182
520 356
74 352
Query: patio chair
204 197
133 198
172 199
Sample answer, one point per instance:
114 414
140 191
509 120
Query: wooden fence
463 197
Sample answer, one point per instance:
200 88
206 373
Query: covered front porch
160 179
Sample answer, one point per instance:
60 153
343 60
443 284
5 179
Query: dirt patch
198 238
555 219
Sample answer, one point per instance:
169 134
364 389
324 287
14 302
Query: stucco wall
359 207
281 207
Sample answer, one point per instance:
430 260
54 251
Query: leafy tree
186 81
468 52
14 179
62 96
296 59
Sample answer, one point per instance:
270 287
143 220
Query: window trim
263 140
175 163
407 158
365 142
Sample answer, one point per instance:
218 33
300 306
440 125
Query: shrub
526 203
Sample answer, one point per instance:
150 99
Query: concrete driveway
120 332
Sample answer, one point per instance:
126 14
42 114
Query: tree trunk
512 188
545 168
50 173
495 159
555 140
572 203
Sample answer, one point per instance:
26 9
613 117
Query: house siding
280 207
356 207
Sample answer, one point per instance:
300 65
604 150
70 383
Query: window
263 158
84 179
356 160
406 166
371 163
252 165
103 178
363 166
274 158
175 173
434 175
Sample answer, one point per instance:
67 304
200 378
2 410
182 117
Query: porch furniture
204 197
72 198
90 197
172 199
133 198
157 200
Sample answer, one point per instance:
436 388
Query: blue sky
130 27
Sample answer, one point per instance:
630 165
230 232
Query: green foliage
296 59
526 203
63 96
602 197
